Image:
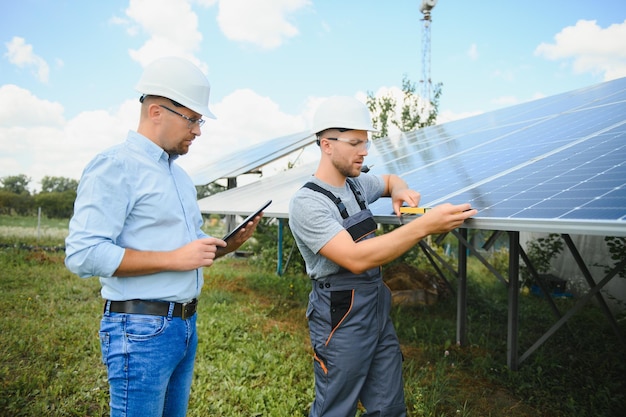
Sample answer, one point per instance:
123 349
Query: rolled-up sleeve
99 215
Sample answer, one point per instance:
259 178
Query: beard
347 169
180 149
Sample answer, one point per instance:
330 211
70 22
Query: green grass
254 356
49 347
43 230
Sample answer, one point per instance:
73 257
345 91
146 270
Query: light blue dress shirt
134 196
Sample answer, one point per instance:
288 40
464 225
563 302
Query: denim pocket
142 327
105 343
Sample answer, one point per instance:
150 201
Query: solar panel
557 163
251 158
558 158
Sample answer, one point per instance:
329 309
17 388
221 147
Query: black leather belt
153 308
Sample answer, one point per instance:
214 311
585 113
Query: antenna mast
426 8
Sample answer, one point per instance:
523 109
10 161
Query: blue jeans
149 361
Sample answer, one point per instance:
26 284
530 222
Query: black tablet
247 220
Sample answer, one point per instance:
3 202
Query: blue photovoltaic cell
562 157
248 159
555 164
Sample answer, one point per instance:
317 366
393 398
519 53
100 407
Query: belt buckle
183 311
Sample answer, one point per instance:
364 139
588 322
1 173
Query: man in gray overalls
356 350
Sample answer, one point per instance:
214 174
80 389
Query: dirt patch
410 286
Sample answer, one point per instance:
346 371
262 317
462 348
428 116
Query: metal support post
461 307
513 317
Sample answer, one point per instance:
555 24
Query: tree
381 110
16 184
59 205
14 195
58 184
11 203
208 189
415 111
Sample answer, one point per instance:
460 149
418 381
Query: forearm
381 250
400 193
369 253
196 254
393 183
136 263
358 257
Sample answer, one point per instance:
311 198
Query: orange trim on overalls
330 336
322 364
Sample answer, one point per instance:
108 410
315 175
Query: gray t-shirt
314 218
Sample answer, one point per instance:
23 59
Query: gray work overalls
356 350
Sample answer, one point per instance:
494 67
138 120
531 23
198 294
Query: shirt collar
153 150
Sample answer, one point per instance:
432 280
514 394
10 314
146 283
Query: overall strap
340 206
357 194
333 197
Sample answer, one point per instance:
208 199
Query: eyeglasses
356 143
190 121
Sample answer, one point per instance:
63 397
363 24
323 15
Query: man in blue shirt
136 225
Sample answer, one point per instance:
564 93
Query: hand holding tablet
247 220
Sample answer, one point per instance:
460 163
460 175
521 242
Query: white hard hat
342 113
179 80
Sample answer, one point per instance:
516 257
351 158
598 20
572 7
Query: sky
68 67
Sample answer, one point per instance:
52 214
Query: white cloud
172 28
21 54
206 3
263 23
537 96
449 116
505 101
263 121
506 74
593 49
37 141
20 108
472 52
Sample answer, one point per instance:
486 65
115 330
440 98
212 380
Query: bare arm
196 254
399 191
369 253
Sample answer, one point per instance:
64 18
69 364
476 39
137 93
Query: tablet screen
247 220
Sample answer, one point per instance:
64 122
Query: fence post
38 222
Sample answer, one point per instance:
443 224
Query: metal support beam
461 306
513 316
492 239
463 240
279 260
601 302
579 305
427 252
542 286
230 218
513 286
